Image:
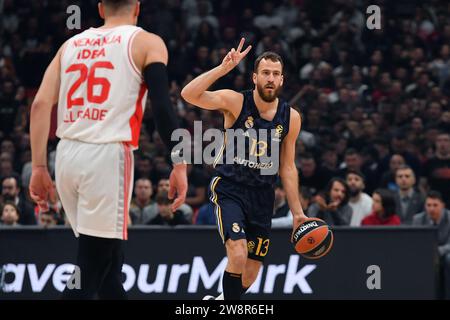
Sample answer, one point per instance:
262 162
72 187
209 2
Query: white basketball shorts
94 183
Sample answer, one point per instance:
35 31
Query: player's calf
237 255
232 277
250 273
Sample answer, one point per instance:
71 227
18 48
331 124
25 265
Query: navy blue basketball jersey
250 153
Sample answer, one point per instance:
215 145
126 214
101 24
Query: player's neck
262 105
115 21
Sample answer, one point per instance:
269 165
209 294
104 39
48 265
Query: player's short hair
268 55
118 4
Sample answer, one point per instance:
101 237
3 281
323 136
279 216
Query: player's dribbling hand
297 221
178 184
41 187
234 56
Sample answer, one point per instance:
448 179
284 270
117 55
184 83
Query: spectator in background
196 194
144 167
311 175
48 218
354 161
281 216
142 208
305 196
206 214
437 169
383 209
11 192
408 201
10 214
330 159
9 106
165 216
339 84
360 202
332 207
6 165
437 215
388 180
315 62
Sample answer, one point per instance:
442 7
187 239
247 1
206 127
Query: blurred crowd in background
375 142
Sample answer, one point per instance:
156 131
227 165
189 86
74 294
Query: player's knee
237 252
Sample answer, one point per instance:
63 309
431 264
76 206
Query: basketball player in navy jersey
244 197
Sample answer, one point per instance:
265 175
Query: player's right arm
196 92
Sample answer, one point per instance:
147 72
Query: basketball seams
328 249
306 234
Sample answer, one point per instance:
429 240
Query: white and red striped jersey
102 93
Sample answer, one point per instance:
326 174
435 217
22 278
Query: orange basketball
313 239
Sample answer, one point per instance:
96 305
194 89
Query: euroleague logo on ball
303 228
313 238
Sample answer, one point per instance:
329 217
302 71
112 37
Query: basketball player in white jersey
99 78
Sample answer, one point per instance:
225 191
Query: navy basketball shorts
243 212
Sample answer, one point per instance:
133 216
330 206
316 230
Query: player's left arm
41 185
288 170
41 108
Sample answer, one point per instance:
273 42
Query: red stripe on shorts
126 188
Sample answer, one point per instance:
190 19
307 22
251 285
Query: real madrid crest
249 122
235 228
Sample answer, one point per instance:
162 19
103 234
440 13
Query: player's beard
268 96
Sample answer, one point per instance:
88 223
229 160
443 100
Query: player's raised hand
41 187
178 184
234 56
